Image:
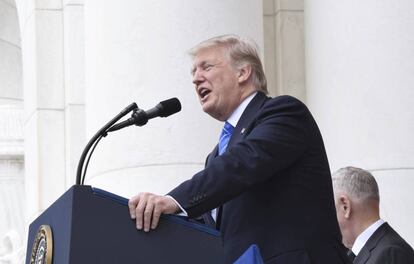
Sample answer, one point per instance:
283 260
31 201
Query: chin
207 108
212 113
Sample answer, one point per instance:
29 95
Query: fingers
132 204
156 217
139 209
148 215
147 208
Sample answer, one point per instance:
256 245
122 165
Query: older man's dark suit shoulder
273 186
385 246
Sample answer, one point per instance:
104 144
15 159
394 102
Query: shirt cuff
183 212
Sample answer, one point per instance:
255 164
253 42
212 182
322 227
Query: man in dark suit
268 181
372 240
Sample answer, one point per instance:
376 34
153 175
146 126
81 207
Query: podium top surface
182 220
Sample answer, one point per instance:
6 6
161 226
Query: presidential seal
42 246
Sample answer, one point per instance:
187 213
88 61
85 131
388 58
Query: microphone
141 117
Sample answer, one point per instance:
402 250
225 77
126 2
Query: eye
207 67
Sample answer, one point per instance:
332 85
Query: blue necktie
225 137
211 217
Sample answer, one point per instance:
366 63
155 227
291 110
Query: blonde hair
240 52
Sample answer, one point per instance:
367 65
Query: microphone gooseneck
138 118
80 173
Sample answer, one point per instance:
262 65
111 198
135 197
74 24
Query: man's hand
147 208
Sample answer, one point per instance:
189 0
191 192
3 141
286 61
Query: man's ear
345 206
244 73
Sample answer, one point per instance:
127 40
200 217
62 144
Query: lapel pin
242 131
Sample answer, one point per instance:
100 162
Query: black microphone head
169 107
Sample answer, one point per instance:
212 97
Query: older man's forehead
208 55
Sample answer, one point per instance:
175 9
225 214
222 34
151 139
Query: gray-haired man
363 231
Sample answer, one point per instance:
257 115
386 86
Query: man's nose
197 78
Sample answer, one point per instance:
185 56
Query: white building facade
67 67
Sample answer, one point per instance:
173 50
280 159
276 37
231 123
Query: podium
87 225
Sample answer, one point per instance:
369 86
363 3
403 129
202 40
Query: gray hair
240 52
356 182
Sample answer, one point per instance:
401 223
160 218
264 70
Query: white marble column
11 55
74 82
41 24
136 52
284 47
359 77
12 196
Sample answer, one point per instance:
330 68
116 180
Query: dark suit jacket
274 187
385 246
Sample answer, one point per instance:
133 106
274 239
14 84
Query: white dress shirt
362 239
235 116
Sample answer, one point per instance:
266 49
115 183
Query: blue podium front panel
90 225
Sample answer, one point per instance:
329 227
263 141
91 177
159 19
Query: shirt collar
235 116
362 239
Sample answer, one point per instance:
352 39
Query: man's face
216 83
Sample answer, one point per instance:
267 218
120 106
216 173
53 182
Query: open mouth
203 92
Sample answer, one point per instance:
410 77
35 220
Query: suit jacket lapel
242 128
244 125
372 242
362 257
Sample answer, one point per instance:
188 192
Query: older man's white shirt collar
235 116
362 239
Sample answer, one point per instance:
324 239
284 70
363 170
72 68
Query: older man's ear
244 73
345 206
